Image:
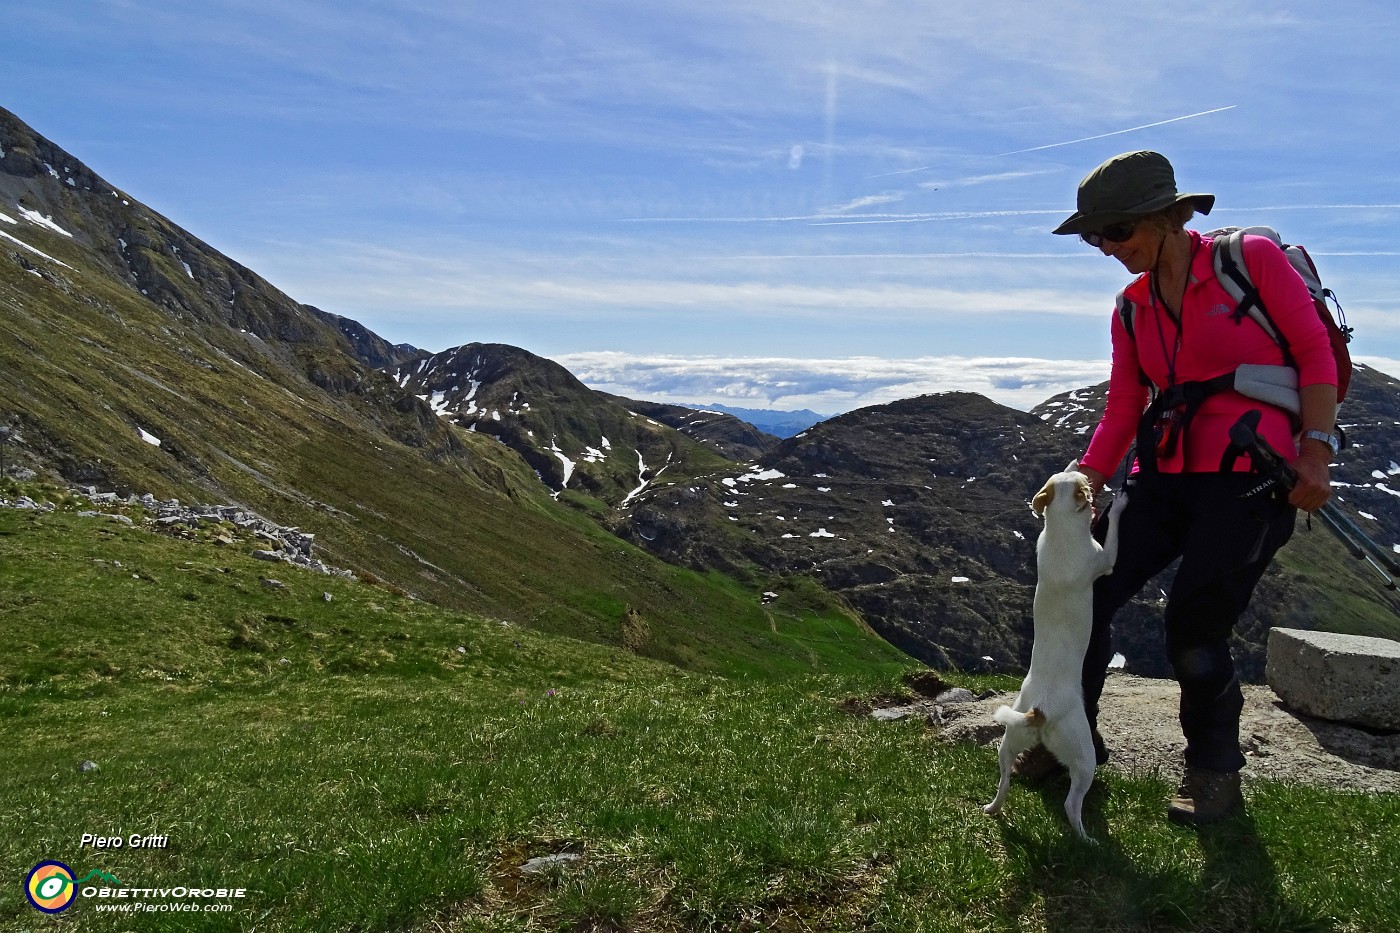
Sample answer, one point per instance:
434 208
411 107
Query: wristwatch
1331 440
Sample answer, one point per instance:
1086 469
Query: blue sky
822 204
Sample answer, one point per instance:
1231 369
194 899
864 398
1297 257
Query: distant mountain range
137 358
776 423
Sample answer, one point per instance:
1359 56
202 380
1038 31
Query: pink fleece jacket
1210 343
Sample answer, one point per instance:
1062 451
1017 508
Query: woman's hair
1172 218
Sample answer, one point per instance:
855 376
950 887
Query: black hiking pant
1225 544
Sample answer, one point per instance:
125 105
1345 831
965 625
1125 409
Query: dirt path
1138 721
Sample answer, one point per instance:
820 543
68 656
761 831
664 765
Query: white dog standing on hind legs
1049 710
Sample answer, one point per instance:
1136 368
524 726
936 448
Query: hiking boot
1205 797
1036 765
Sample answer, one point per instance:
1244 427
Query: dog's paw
1120 502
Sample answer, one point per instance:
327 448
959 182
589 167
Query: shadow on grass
1239 880
1222 880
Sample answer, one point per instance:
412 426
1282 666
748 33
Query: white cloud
983 179
829 386
870 200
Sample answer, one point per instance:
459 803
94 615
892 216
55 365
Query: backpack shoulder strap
1227 256
1127 311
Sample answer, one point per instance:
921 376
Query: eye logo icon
50 887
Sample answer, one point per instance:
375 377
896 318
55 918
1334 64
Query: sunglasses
1113 233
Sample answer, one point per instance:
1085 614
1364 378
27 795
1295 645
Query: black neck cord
1179 318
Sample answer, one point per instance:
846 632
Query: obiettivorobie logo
52 888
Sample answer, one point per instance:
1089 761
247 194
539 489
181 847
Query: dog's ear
1073 466
1083 492
1043 499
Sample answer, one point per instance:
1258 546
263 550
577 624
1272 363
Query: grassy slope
372 762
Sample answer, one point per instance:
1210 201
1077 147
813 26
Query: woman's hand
1314 485
1096 482
1096 479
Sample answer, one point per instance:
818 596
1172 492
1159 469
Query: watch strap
1331 440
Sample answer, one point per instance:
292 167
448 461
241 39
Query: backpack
1277 385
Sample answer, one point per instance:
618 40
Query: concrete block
1342 678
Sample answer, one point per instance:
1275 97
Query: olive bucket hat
1126 187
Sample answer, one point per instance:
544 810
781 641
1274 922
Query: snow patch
148 437
568 464
731 481
39 220
438 403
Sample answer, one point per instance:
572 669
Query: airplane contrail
1131 129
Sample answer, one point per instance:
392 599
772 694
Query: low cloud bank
828 386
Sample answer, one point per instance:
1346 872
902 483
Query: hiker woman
1185 338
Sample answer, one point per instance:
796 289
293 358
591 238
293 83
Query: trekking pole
1244 439
1354 539
1345 520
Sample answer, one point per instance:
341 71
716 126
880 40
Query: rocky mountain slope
914 512
135 358
917 513
577 441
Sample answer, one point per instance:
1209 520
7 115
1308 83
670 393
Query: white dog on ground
1049 710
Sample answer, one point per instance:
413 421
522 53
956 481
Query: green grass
376 763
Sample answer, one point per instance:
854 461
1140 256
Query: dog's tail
1009 717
